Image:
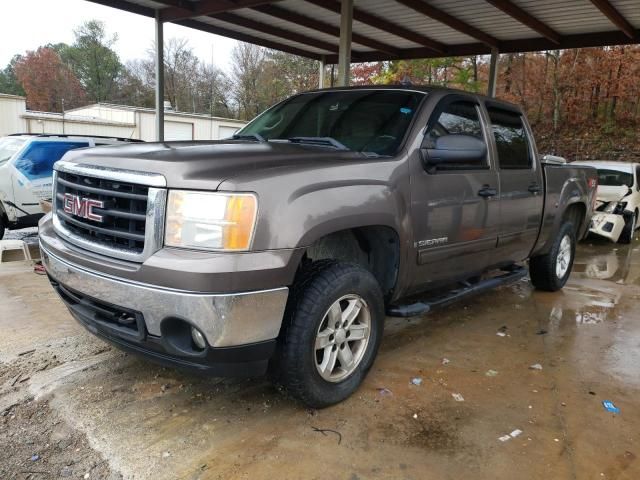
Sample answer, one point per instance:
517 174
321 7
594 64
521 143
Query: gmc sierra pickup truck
281 249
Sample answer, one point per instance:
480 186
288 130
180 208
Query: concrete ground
70 406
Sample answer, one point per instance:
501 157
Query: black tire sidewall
350 279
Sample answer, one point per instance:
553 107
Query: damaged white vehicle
617 200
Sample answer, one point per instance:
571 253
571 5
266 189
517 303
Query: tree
48 82
248 64
8 81
93 60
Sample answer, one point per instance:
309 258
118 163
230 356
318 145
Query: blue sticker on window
405 110
38 158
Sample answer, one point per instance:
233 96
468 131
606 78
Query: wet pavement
133 419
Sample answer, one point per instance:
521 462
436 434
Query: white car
26 169
617 200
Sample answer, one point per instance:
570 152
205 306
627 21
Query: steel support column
344 52
159 78
321 70
493 73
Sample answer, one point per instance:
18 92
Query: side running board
510 275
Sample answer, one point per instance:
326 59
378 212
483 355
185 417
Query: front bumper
240 328
607 225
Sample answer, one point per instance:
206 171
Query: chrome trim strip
225 319
108 173
154 225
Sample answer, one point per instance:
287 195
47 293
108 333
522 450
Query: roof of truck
426 89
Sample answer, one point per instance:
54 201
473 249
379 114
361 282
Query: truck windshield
8 147
615 178
368 121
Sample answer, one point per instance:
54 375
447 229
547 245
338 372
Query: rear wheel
550 272
333 327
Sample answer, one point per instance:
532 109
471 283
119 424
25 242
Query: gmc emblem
82 207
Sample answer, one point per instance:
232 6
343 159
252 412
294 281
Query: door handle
534 188
486 191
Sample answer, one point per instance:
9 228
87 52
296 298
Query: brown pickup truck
283 248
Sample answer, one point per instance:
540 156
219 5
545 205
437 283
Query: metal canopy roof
402 29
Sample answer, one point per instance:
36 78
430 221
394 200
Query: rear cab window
37 159
512 141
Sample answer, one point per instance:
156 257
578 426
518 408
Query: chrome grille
123 216
131 208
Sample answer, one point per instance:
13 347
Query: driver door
455 207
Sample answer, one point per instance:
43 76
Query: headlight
210 220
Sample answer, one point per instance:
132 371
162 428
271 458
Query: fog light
198 338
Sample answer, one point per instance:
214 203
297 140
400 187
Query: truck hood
608 193
205 165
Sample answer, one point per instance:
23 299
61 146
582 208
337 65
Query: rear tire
550 272
629 230
330 303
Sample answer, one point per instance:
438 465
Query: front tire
331 333
550 272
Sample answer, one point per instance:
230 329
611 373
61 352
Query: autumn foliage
47 81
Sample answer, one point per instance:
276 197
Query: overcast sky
27 24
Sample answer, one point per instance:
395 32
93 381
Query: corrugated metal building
112 120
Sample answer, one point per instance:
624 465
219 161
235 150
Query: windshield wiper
256 137
320 141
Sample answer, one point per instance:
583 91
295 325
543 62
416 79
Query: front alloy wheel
342 338
331 332
563 260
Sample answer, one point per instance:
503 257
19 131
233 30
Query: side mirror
454 148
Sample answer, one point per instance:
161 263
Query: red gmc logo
82 207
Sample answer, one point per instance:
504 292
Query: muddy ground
73 407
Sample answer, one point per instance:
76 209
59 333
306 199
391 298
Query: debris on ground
416 381
535 366
166 454
385 392
445 361
457 397
324 431
502 331
516 433
541 332
415 415
491 373
610 407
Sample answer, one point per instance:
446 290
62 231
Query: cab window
512 142
456 118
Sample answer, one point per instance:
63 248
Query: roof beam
384 25
313 24
243 37
615 17
526 19
181 10
450 21
275 31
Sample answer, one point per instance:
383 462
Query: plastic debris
385 392
504 438
415 415
446 361
166 454
491 373
501 334
35 457
535 366
610 407
516 433
457 397
416 381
